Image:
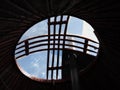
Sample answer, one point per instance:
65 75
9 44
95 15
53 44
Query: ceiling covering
16 16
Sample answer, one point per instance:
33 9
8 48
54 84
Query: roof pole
74 71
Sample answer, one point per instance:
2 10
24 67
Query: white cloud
40 28
88 31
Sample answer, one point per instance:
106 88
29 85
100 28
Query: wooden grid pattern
54 23
49 42
23 52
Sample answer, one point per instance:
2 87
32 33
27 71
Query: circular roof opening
40 53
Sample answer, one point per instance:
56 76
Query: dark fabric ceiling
16 16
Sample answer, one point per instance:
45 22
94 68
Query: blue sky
35 64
